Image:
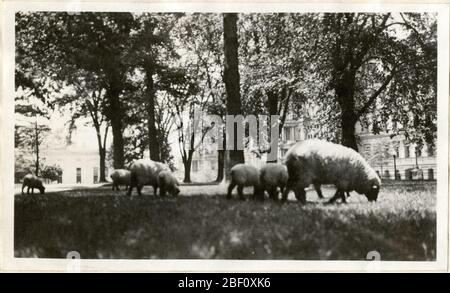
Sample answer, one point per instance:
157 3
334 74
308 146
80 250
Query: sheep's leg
32 190
28 190
335 197
230 189
348 194
162 191
273 193
285 194
240 192
342 194
113 186
130 189
139 188
117 187
258 193
155 189
23 186
318 190
300 195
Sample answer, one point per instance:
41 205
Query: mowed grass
202 224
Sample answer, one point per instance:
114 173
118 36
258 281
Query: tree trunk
231 80
345 96
102 164
348 130
115 116
221 159
37 147
272 105
187 162
153 142
102 154
220 165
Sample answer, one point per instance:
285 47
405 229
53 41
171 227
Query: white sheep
145 172
243 175
168 183
319 162
32 181
272 176
120 176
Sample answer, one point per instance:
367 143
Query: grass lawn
201 223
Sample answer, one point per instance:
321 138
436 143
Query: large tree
151 52
87 100
60 42
374 68
273 72
199 42
231 80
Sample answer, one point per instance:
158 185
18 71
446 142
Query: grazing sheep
244 175
145 172
271 176
120 176
32 182
319 162
167 183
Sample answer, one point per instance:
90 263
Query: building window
78 175
430 174
407 151
287 133
195 166
397 151
95 174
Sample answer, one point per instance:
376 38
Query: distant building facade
395 155
78 165
410 162
378 149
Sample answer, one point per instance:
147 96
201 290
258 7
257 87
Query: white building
388 155
78 165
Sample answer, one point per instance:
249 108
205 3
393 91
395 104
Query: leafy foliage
51 172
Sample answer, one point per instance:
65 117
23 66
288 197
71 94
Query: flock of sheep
308 162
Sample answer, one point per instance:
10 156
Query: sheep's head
175 191
42 189
372 193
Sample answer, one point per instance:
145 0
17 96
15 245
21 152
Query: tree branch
376 94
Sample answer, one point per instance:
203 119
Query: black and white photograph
215 134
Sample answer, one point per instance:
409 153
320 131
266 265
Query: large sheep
244 175
32 182
145 172
120 176
167 183
271 177
320 162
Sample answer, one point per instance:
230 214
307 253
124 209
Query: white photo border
9 263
